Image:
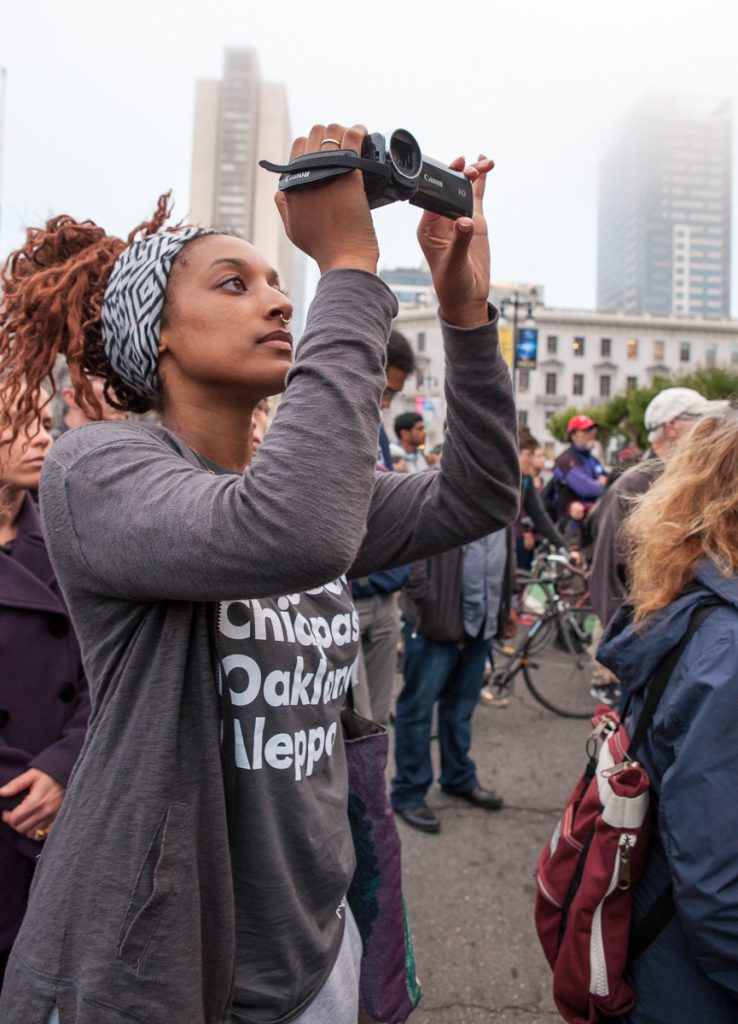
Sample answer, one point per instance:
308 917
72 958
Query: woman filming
684 539
207 820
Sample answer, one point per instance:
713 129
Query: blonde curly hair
688 516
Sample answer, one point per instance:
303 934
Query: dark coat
608 585
433 598
44 704
690 972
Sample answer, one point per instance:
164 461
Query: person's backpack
587 871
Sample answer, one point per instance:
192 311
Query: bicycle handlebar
569 565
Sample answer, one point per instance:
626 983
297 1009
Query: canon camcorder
394 169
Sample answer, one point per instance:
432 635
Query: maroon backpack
587 871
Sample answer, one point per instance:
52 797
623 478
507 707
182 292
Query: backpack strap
653 922
663 674
663 909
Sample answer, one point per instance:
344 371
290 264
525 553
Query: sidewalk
470 889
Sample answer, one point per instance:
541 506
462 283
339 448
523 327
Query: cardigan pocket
156 884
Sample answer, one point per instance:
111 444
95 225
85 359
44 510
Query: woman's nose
282 307
43 438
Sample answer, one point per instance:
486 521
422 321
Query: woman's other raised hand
331 221
458 254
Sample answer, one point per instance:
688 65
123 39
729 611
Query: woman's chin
276 381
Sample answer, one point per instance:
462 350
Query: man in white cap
668 417
672 414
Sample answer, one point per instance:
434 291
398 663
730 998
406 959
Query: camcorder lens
404 152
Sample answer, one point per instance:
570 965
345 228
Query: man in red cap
579 477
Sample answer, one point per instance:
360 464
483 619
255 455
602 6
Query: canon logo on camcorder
434 181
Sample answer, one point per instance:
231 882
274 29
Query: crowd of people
199 599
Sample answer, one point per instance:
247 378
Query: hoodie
690 972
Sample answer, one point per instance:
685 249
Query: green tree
622 416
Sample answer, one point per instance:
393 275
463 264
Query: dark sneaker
420 817
477 796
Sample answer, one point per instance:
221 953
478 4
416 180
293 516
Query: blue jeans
451 674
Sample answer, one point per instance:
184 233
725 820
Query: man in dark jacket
451 605
668 417
579 478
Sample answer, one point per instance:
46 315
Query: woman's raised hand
458 254
331 221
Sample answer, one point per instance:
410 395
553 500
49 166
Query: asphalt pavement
470 888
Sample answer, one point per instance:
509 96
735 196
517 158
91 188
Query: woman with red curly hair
198 869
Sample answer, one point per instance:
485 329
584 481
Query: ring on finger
334 141
39 833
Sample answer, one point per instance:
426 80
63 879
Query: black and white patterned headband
133 304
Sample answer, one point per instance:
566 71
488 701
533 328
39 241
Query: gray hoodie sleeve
477 488
126 515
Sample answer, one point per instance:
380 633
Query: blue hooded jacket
690 972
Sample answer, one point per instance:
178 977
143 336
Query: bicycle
572 581
561 634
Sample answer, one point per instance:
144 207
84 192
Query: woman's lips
278 343
280 340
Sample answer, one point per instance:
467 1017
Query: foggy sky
98 114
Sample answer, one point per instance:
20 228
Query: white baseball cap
674 402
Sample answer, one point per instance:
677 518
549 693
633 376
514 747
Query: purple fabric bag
389 990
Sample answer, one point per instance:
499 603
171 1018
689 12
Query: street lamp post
517 301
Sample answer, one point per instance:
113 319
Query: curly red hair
53 290
689 516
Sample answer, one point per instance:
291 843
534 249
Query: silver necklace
201 459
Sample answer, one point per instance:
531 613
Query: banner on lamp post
506 344
526 349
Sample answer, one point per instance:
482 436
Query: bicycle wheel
561 675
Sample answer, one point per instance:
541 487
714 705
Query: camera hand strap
314 167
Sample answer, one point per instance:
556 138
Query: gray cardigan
131 914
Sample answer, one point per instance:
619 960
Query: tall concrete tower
239 120
665 210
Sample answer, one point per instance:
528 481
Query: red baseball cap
580 423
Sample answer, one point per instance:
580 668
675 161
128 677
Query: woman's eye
234 284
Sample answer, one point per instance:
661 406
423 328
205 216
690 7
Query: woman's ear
163 340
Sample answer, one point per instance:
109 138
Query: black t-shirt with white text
285 664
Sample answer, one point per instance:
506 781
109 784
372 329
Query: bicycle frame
573 640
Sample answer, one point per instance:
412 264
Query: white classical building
584 358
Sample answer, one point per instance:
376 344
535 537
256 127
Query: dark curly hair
53 289
526 441
399 352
